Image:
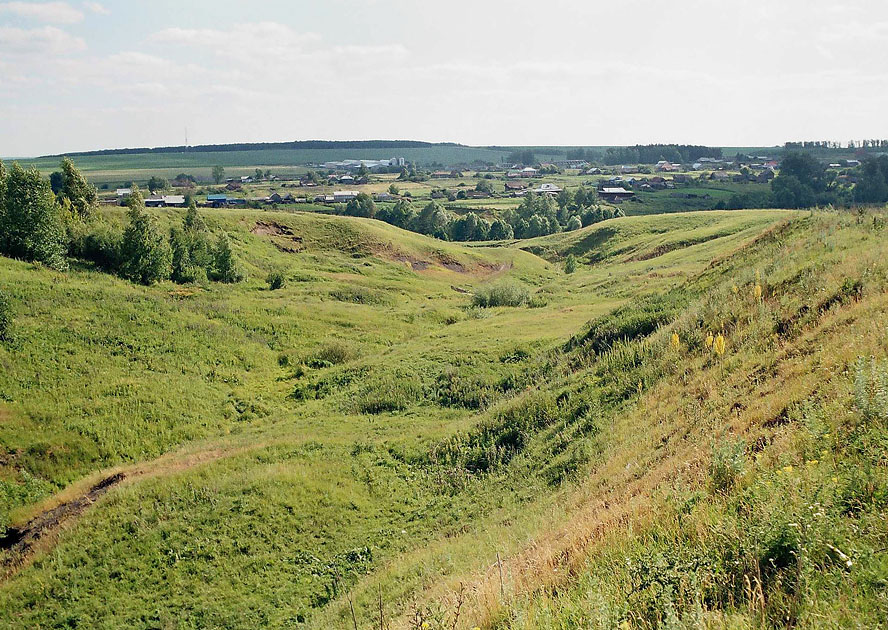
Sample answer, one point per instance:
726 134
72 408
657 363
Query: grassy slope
302 495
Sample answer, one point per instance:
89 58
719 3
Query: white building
340 196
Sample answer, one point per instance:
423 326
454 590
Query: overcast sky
122 73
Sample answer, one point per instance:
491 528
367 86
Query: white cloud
46 40
50 12
97 8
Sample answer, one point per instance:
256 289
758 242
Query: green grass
365 430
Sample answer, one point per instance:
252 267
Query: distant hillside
262 146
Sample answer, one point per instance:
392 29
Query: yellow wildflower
709 340
787 469
735 289
757 291
674 341
835 479
719 345
812 462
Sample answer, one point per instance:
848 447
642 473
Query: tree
432 220
30 218
788 192
363 171
393 189
77 191
500 231
145 254
574 223
484 186
570 264
225 263
806 169
401 214
361 206
258 175
872 186
190 248
218 174
56 181
157 183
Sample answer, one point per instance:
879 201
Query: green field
366 439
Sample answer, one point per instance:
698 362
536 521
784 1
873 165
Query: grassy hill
366 439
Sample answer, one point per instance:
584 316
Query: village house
217 201
340 196
615 194
529 171
165 201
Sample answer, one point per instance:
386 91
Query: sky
80 75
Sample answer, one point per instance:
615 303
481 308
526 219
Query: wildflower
674 341
719 345
757 291
626 625
835 479
787 469
812 462
735 289
709 340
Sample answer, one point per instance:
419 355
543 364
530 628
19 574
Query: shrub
871 389
332 353
98 243
5 317
358 295
727 464
275 280
502 294
570 264
388 393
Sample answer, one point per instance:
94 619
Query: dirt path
20 544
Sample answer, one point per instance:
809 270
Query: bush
727 464
502 294
275 280
5 317
570 264
99 243
332 353
871 389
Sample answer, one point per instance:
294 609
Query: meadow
686 431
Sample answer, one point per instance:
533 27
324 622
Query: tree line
262 146
833 144
653 153
537 215
51 228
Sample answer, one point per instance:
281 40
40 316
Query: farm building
529 171
217 201
615 194
123 193
165 201
344 195
547 189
